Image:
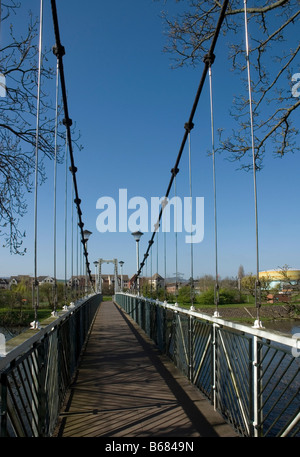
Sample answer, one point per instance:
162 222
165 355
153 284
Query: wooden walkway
125 388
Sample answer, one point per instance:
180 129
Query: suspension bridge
139 367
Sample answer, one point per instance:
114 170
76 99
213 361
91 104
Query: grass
16 316
21 317
107 298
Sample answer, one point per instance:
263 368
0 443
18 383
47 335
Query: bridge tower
116 284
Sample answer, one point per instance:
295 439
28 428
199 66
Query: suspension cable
72 240
77 266
66 216
157 261
35 286
59 51
176 240
151 285
189 124
191 221
165 263
257 282
216 288
55 192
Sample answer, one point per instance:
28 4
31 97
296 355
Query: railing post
164 329
147 317
3 405
190 348
214 365
257 388
130 306
138 310
42 397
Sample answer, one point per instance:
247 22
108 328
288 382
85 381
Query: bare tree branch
18 111
273 26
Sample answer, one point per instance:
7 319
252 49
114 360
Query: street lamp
86 235
121 265
137 236
96 286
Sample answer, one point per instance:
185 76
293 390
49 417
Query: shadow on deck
125 388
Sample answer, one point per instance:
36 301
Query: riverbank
248 313
283 318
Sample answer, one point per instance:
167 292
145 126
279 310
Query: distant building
281 278
156 281
107 281
15 280
76 282
4 283
276 298
28 280
171 288
45 280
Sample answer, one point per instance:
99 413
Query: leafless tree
274 37
18 111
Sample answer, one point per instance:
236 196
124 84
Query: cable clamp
164 203
58 51
188 126
174 171
67 122
209 58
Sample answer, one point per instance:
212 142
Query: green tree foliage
226 297
184 295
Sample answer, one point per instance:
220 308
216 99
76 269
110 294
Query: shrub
226 297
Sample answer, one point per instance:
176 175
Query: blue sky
130 108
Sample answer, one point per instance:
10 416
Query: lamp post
121 265
86 235
137 236
96 285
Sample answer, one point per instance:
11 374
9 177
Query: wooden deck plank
125 388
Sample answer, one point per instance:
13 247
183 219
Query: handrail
38 368
21 343
251 375
275 336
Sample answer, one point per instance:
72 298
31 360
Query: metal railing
250 375
35 375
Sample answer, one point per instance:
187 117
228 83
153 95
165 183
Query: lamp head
137 235
86 234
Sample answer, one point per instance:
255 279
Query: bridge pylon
99 282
